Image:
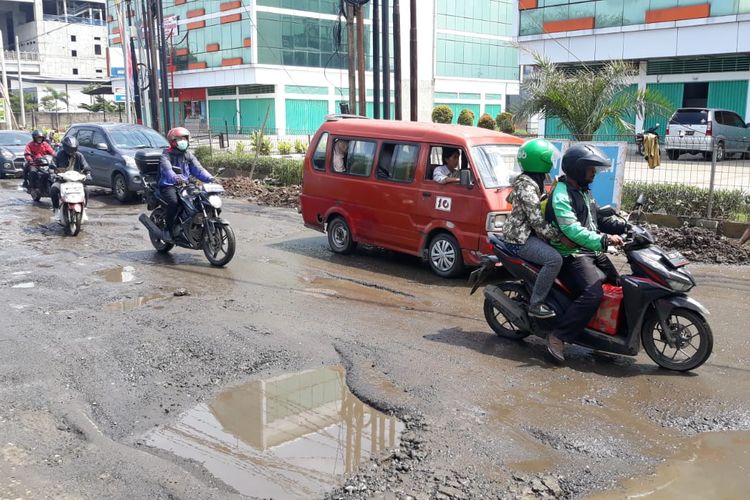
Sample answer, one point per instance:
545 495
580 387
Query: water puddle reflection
118 274
715 465
292 436
27 284
130 304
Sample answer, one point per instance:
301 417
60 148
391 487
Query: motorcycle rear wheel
157 216
501 325
687 326
221 252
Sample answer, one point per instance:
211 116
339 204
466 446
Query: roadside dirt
702 245
261 192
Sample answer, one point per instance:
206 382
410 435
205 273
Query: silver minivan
694 131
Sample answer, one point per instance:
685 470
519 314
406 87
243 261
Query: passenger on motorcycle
177 155
525 231
69 158
34 150
574 211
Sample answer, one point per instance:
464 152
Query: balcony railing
11 56
74 20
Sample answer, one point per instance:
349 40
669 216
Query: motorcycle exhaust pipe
150 225
511 309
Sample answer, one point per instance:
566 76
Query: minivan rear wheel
120 188
720 153
673 154
444 256
340 236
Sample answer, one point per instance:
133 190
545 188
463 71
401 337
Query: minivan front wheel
340 236
444 256
120 188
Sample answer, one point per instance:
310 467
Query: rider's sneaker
84 216
57 215
555 347
541 311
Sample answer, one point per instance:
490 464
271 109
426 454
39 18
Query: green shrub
261 144
442 114
202 153
504 122
287 171
284 147
239 148
486 121
466 117
686 201
300 147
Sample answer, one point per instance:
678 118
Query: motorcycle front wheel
693 344
497 320
71 221
219 247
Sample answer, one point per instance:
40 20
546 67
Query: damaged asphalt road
100 358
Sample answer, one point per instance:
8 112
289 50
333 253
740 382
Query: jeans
584 274
169 193
539 252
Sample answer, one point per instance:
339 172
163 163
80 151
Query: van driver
447 173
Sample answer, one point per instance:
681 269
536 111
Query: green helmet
536 155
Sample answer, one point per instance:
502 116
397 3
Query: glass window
98 138
690 117
398 162
138 138
358 158
14 138
497 164
319 156
85 138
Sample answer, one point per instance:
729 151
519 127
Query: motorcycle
40 171
639 137
198 224
649 307
72 200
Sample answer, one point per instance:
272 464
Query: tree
442 114
466 117
29 102
101 105
486 121
505 122
51 102
585 98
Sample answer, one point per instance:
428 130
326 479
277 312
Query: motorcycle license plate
676 259
71 189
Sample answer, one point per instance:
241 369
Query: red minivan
370 181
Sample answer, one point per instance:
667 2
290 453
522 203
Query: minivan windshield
138 138
14 138
497 164
690 117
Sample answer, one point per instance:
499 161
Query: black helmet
578 158
37 133
70 145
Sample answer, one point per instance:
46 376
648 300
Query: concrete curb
722 228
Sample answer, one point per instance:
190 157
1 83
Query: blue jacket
186 161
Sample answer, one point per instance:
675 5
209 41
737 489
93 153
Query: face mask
182 145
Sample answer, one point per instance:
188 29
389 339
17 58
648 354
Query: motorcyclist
34 150
574 211
69 158
177 155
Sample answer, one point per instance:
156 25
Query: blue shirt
186 161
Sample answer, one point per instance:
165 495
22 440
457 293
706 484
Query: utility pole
361 62
20 85
386 63
6 97
376 58
397 56
413 66
134 64
125 44
153 85
351 64
163 64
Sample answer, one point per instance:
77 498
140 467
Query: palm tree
51 102
585 98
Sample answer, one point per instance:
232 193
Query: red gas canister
607 316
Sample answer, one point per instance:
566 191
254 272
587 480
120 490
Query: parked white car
694 130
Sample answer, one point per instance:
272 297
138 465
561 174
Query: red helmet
176 133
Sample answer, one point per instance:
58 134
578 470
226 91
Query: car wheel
673 154
340 236
120 188
720 153
444 256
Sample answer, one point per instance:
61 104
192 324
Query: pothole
130 304
292 436
118 274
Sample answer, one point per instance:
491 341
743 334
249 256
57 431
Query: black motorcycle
639 137
649 307
40 177
198 224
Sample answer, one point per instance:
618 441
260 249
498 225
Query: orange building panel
527 4
678 13
583 23
232 18
181 52
231 62
196 12
180 2
212 47
196 25
247 42
198 65
230 6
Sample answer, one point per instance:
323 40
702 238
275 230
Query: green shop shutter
493 110
220 112
252 113
673 92
730 95
304 116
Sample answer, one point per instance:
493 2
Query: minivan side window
85 138
733 120
319 156
436 159
98 138
398 162
357 160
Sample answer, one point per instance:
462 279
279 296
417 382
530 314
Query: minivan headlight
496 220
6 154
129 161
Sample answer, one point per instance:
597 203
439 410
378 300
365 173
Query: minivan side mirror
465 178
102 146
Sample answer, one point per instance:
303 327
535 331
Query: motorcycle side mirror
607 211
102 146
465 178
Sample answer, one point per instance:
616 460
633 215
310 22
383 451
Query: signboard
170 26
119 94
607 185
117 72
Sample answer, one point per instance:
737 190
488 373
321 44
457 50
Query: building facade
694 52
238 63
63 46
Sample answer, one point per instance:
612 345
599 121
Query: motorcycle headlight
215 201
496 220
6 154
129 161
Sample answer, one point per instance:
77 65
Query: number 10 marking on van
443 203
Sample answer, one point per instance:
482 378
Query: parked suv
110 150
694 130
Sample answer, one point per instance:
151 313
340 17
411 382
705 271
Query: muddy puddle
130 304
714 465
124 274
291 436
26 284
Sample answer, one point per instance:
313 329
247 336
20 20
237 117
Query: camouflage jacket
526 216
